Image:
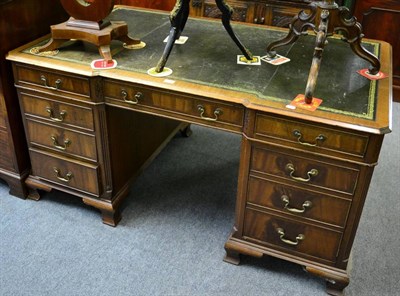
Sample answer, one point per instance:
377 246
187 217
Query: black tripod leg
226 17
299 25
178 18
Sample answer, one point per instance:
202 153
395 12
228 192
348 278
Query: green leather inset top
209 57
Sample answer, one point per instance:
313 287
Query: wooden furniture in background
20 22
267 12
153 4
380 20
303 176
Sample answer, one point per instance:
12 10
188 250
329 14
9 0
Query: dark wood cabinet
380 20
268 12
20 22
275 13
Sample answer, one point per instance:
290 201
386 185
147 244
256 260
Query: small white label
169 81
181 40
291 107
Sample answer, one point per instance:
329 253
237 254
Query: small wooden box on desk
303 176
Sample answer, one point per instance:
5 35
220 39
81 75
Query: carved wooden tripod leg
366 55
128 40
105 52
52 44
317 57
299 26
178 18
227 12
353 32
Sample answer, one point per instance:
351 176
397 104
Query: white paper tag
276 60
181 40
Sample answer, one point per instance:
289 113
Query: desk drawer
53 81
301 203
310 136
304 171
72 174
291 236
177 106
61 139
57 112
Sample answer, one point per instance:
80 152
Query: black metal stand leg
352 30
299 26
226 17
178 18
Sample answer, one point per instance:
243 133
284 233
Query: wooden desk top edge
382 123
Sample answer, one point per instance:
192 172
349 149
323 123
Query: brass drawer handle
52 117
217 112
57 83
67 142
136 99
320 138
65 179
306 204
281 233
310 174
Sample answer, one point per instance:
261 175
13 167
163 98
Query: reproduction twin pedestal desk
303 176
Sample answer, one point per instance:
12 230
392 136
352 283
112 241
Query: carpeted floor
175 223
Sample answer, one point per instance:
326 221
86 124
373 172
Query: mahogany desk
303 175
